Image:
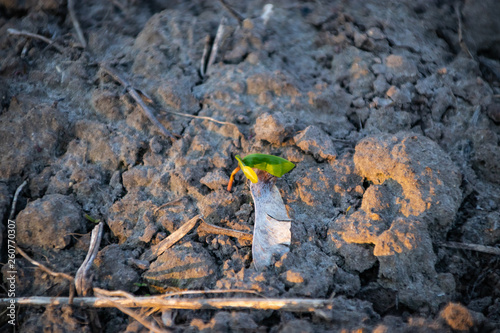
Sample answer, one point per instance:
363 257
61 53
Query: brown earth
391 119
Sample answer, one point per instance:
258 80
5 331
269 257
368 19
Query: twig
83 281
232 12
212 229
76 24
167 204
135 95
201 117
14 201
204 56
144 322
284 304
473 247
217 41
49 271
36 36
173 238
121 293
461 42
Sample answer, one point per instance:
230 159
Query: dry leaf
272 224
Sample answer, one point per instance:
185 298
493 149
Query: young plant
275 165
272 235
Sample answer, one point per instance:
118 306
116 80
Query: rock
413 198
31 137
443 99
129 217
353 66
457 317
185 266
429 179
113 272
316 142
380 84
215 180
400 69
388 120
274 128
49 222
493 112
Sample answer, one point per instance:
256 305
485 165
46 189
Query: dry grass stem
173 238
202 117
83 278
14 201
232 12
36 36
212 229
461 41
217 41
204 56
51 272
144 322
284 304
76 24
135 95
472 247
170 203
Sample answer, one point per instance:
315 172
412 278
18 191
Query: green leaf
275 165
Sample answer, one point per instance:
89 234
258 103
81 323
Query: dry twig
173 238
135 95
284 304
204 56
232 12
213 229
76 24
202 117
472 247
36 36
176 201
461 41
14 201
144 322
51 272
121 293
83 279
217 42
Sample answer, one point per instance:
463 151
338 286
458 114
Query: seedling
271 234
275 165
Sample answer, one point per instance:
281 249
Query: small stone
274 128
49 222
457 317
380 84
493 112
375 33
358 102
359 39
400 69
316 142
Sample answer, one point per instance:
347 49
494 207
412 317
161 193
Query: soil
390 111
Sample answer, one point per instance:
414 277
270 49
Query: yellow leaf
250 174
